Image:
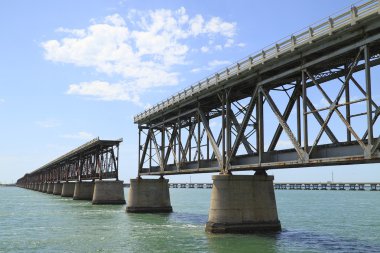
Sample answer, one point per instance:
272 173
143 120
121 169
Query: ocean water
312 221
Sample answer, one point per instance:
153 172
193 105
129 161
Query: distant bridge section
97 159
313 90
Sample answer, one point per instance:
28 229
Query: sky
74 70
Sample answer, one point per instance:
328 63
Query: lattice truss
326 113
99 163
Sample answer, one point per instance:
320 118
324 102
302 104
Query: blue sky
75 70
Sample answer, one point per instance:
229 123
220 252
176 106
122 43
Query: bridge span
89 172
312 90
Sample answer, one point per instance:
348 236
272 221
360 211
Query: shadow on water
312 241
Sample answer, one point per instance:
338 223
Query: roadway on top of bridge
218 125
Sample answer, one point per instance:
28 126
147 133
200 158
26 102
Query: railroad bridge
313 91
89 172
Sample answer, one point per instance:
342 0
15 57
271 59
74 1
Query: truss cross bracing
97 159
309 100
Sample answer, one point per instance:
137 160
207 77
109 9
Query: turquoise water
312 221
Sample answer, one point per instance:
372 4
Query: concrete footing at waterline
149 196
68 189
242 204
50 188
83 190
57 189
108 192
44 187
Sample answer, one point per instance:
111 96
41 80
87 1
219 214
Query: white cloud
2 100
212 65
141 50
104 91
48 123
204 49
80 136
217 63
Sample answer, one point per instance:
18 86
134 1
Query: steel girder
230 132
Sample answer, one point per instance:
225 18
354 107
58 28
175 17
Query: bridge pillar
149 196
108 192
40 187
50 188
57 189
83 190
44 187
242 204
68 189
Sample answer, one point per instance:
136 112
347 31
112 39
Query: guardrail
347 17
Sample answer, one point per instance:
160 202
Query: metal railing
347 17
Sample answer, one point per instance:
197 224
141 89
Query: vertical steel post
139 158
207 139
117 163
299 131
369 95
304 108
199 140
190 138
348 107
228 124
179 143
224 131
150 148
260 125
163 147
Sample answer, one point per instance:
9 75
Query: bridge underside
316 105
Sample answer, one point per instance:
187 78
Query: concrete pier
50 188
83 190
149 196
57 190
242 204
108 192
44 187
68 189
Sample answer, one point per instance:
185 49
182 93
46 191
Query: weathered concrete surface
108 192
45 186
50 188
149 196
83 190
68 189
57 190
242 204
41 187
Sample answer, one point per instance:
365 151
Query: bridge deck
219 125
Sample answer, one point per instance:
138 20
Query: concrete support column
40 187
44 187
50 188
57 189
149 196
83 190
242 204
68 189
108 192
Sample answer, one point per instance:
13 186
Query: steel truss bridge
96 159
313 92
